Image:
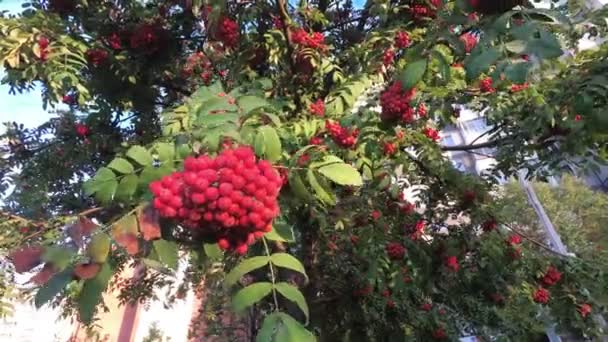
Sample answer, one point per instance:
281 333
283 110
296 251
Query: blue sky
24 108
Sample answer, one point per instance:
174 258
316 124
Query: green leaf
127 187
544 45
293 294
285 260
250 295
245 267
296 184
444 67
248 103
213 251
204 94
166 151
518 72
516 46
102 175
60 257
214 107
323 195
327 160
272 143
476 64
140 155
106 190
280 232
293 331
342 174
272 323
217 120
92 292
413 73
121 165
167 252
280 327
53 287
259 144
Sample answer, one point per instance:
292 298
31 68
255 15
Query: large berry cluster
342 136
541 295
388 57
228 32
470 40
231 198
552 276
318 108
198 62
314 40
148 38
43 43
421 10
402 40
486 85
395 103
395 250
97 56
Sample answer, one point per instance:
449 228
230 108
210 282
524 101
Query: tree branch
539 244
492 143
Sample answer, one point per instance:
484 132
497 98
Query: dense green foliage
342 107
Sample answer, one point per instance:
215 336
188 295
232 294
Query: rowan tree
291 152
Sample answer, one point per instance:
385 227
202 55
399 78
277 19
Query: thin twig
538 243
272 275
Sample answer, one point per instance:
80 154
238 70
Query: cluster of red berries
97 56
43 43
114 41
541 295
395 103
318 108
81 130
314 40
431 133
402 40
389 149
231 198
439 334
395 250
469 40
228 32
552 276
277 22
198 62
421 10
342 136
388 57
519 87
514 251
417 231
489 225
451 262
486 85
147 38
584 310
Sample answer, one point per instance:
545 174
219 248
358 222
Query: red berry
242 249
223 244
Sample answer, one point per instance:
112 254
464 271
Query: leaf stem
272 276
